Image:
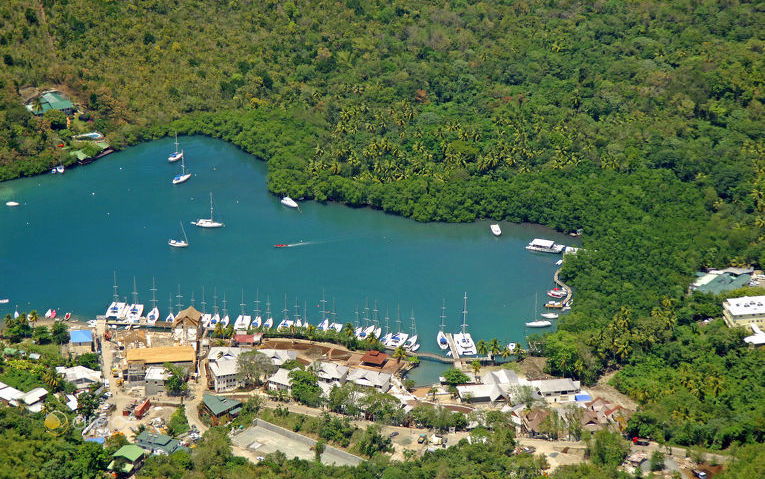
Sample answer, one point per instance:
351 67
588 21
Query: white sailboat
178 154
208 223
136 309
170 317
378 330
243 321
183 176
399 338
258 320
269 322
114 309
225 319
153 315
495 230
463 340
549 315
441 336
289 202
538 323
411 343
215 317
206 318
180 243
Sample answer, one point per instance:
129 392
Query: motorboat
208 223
16 314
538 324
153 316
559 262
183 176
67 316
11 203
178 154
4 301
47 314
550 315
280 245
53 314
289 202
557 293
553 304
544 246
495 230
441 340
60 169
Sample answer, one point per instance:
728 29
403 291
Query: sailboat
269 322
463 340
378 330
115 309
324 324
441 336
225 319
538 323
170 317
243 321
258 320
135 311
206 317
411 344
208 223
153 315
215 317
285 322
178 154
386 337
180 243
289 202
334 324
398 338
183 177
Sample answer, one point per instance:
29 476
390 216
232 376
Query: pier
563 285
453 348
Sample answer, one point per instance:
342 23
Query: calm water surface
60 248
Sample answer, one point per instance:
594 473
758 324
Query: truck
141 410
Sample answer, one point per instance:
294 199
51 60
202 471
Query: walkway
563 285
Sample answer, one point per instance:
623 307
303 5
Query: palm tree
51 378
432 393
348 331
399 353
310 331
494 347
33 317
483 348
506 353
218 331
476 365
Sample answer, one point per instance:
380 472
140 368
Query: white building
80 376
35 399
9 395
222 368
279 356
280 381
155 380
744 311
368 378
330 373
551 388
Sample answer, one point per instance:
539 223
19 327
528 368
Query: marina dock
453 348
563 285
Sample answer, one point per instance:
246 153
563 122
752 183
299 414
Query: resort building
482 393
52 100
222 367
139 359
80 376
154 381
716 281
558 389
221 408
279 356
246 340
154 443
368 378
81 341
330 372
280 381
127 460
532 421
186 327
503 376
374 358
744 311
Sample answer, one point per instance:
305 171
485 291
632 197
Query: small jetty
563 285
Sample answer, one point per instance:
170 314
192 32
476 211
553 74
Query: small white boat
553 304
557 293
11 203
550 315
183 176
208 223
176 243
16 314
441 340
511 346
178 154
268 323
256 322
495 230
153 315
4 301
47 314
538 324
170 318
92 323
559 262
60 169
289 202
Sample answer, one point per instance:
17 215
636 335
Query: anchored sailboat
441 336
208 223
178 154
463 340
180 243
183 177
153 315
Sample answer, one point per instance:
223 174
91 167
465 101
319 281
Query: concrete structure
222 368
154 380
127 460
139 359
374 379
280 381
154 443
744 311
80 376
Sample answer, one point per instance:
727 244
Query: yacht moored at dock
462 340
545 246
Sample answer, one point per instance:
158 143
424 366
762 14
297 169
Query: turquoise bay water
59 248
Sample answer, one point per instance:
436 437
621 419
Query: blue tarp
583 397
81 336
99 440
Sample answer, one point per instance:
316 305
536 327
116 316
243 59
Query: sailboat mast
257 303
286 315
204 303
414 326
464 314
211 207
215 299
323 306
357 316
170 302
193 300
443 313
398 318
225 309
375 319
116 295
135 293
297 310
153 293
268 307
305 312
180 305
242 304
334 311
387 329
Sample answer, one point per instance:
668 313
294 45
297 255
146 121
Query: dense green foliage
639 122
178 422
305 387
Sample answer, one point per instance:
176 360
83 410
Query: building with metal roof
155 443
127 460
221 407
80 336
744 311
52 100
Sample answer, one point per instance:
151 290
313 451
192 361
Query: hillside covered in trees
639 122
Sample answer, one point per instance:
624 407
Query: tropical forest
639 125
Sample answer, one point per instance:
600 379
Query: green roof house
158 443
52 100
222 407
127 460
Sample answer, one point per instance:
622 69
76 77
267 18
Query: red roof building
246 339
374 358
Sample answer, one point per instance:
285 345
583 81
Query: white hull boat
178 243
177 155
114 310
289 202
397 340
538 324
411 341
170 318
495 230
323 326
208 223
153 316
225 320
414 348
511 347
545 246
268 323
557 293
441 340
206 319
465 344
183 178
47 314
550 315
215 320
257 322
134 313
386 339
377 332
336 326
242 322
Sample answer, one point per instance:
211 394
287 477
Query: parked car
421 439
394 434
